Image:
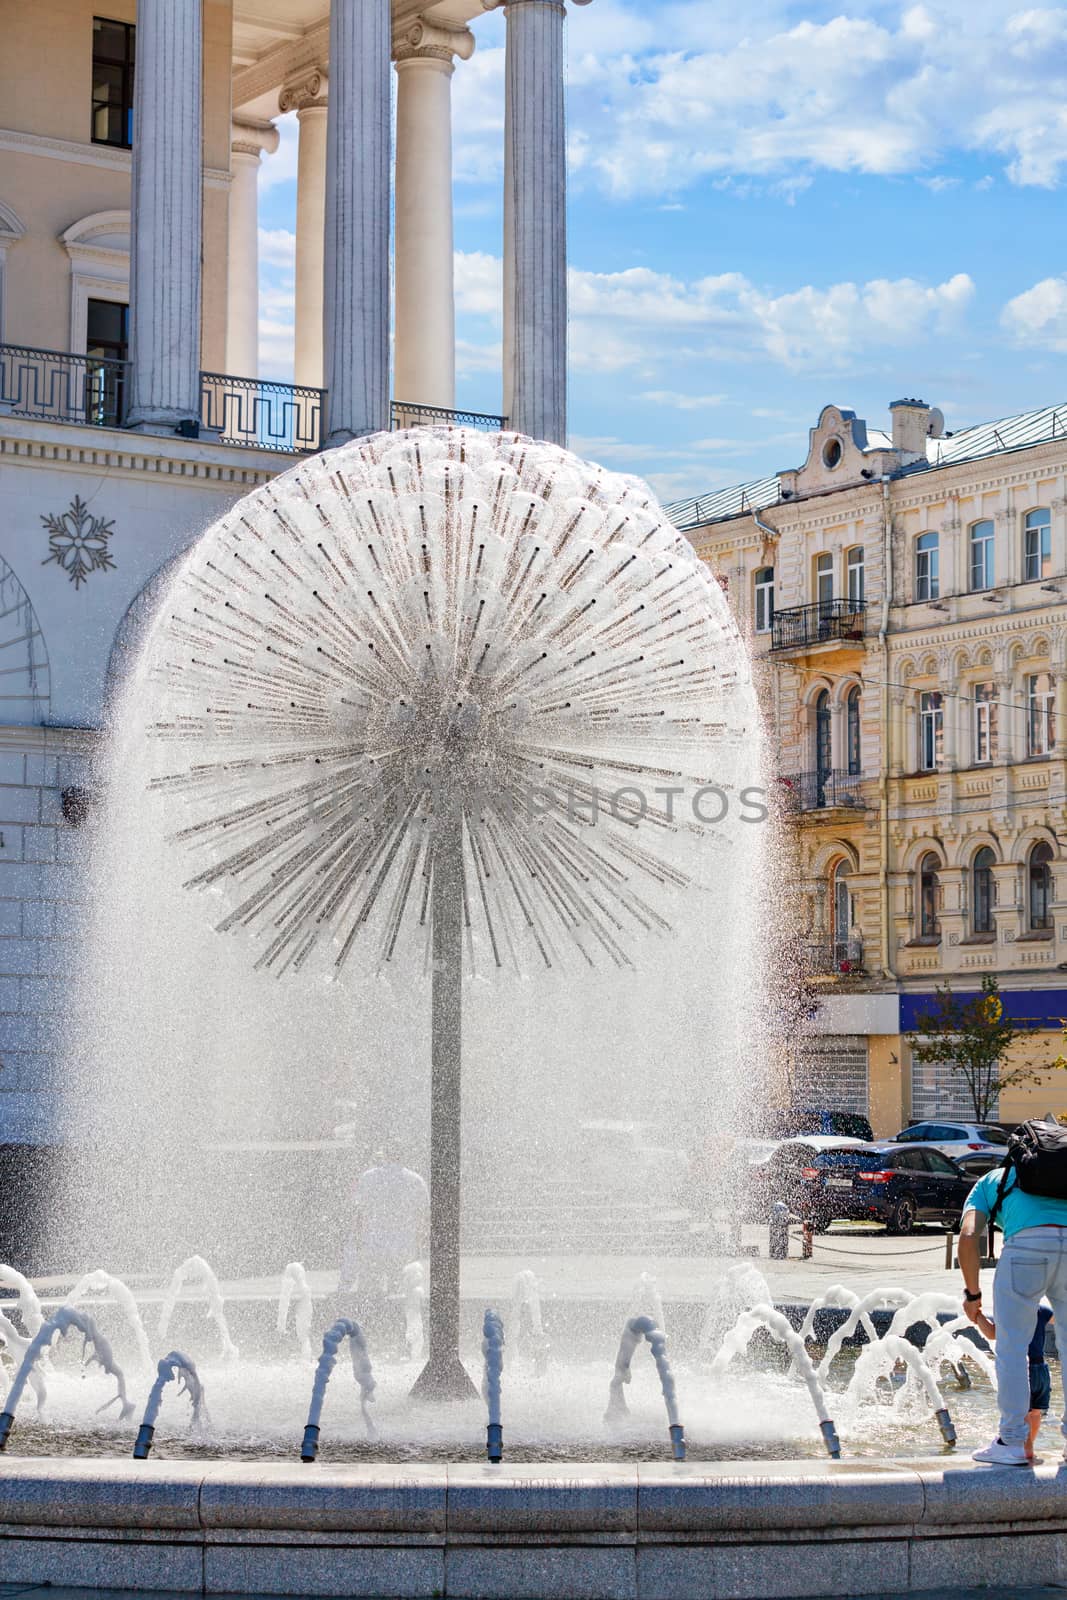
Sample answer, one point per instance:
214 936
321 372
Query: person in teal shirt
1033 1264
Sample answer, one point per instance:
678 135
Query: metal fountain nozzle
7 1419
833 1443
677 1441
494 1442
310 1447
944 1422
145 1435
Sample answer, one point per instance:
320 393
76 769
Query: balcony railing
833 958
56 386
820 791
260 413
415 416
807 625
257 413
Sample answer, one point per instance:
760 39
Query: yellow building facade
905 597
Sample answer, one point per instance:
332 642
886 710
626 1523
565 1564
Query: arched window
982 554
927 584
1040 895
823 749
930 897
764 581
852 730
983 895
842 911
1037 544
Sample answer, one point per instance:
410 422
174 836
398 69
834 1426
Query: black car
805 1120
898 1185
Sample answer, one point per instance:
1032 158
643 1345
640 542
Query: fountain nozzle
7 1419
677 1441
494 1443
310 1447
944 1422
833 1443
145 1434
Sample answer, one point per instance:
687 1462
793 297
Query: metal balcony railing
405 415
55 386
833 958
807 625
262 414
819 791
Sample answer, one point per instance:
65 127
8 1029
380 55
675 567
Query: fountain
173 1366
343 1328
636 1329
59 1323
100 1282
295 1283
196 1269
493 1351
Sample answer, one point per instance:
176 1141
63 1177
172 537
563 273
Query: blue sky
772 206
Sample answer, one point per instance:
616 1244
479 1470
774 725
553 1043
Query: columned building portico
251 139
308 98
425 345
167 225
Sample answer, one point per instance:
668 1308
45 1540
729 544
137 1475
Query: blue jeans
1033 1263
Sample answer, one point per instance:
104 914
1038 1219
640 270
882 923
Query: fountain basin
609 1532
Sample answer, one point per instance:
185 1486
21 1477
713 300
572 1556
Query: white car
956 1138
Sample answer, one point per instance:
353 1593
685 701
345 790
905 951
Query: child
1040 1377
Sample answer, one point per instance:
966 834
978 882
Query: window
107 338
842 911
982 554
1037 545
1040 896
929 898
852 730
939 1163
984 896
927 586
931 730
985 721
823 752
764 599
112 113
1041 714
824 581
855 576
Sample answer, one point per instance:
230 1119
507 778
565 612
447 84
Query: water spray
493 1351
636 1329
174 1365
61 1322
343 1328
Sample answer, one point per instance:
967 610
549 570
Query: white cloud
1038 316
277 248
281 166
681 402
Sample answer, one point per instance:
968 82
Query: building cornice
32 442
88 155
44 739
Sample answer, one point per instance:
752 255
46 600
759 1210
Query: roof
967 444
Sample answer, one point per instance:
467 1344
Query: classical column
249 139
425 344
356 297
166 225
308 99
535 228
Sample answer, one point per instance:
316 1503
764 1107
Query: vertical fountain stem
444 1377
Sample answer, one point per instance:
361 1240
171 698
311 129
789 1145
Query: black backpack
1037 1155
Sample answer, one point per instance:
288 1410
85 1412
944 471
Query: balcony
821 791
798 627
254 413
833 958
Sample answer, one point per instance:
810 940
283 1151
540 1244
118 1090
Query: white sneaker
999 1454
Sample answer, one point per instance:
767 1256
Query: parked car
955 1138
898 1185
803 1121
777 1169
978 1163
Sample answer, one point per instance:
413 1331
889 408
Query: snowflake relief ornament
78 541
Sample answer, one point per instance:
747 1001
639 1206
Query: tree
972 1037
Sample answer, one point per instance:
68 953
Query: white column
166 225
535 270
249 139
425 342
308 99
356 298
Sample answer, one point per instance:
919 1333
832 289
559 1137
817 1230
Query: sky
773 206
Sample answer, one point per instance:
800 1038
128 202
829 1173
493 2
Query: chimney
913 423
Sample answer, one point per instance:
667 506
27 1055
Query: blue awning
1042 1008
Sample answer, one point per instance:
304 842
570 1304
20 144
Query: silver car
956 1138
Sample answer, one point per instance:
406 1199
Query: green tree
972 1037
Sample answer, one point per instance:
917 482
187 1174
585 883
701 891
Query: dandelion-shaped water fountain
426 694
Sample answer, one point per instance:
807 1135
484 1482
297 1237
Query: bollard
807 1239
950 1250
991 1246
778 1241
145 1434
